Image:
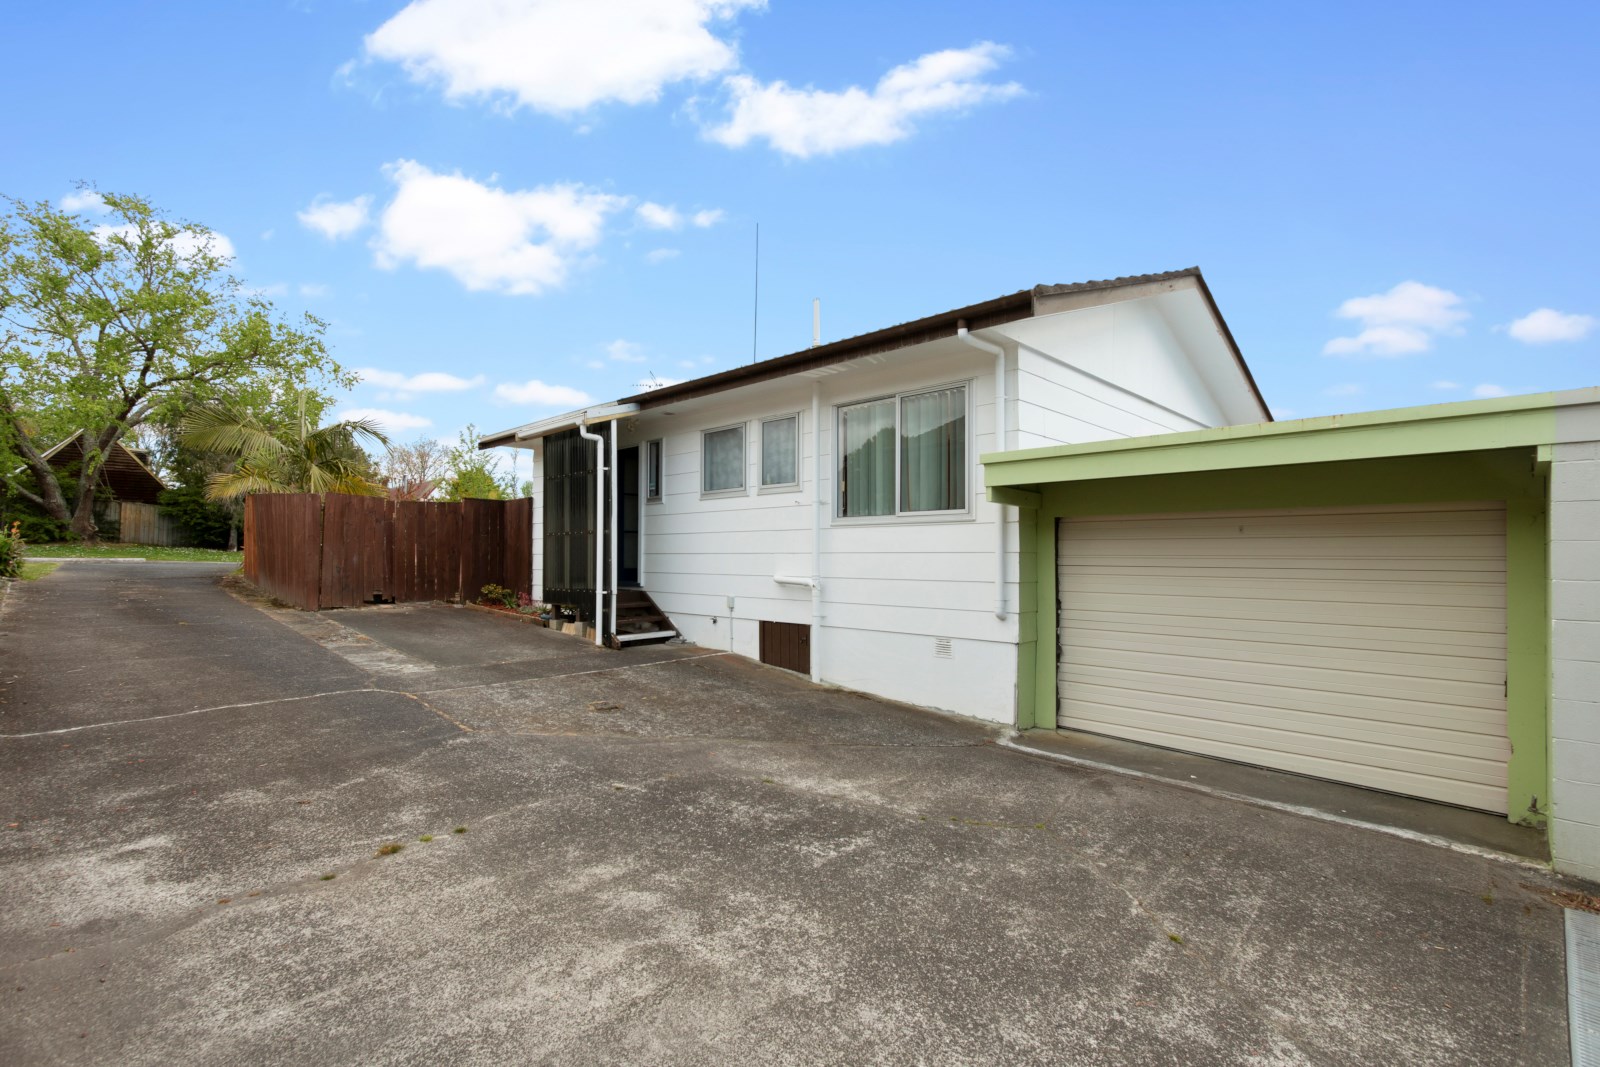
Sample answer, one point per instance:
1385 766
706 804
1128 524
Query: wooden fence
143 524
339 551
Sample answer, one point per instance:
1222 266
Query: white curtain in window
866 476
777 451
724 460
933 450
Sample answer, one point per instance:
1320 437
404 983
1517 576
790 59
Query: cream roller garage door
1365 645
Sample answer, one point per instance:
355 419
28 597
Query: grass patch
425 838
67 550
460 830
32 572
389 850
329 877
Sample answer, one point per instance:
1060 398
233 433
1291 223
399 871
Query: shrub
12 546
497 594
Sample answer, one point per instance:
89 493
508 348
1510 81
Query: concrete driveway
670 857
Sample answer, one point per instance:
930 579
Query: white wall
891 587
1103 372
1575 653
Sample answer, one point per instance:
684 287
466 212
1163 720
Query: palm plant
301 457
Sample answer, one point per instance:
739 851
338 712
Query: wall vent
941 648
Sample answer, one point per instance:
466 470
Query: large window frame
762 485
744 461
898 514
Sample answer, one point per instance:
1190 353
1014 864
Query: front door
628 516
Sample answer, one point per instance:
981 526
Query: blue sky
504 208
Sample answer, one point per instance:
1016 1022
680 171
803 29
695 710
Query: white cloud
85 200
659 216
1547 326
186 243
810 122
558 56
1486 390
266 235
336 219
539 394
519 242
313 289
1345 389
426 382
708 218
625 352
392 421
595 364
1444 386
1401 322
272 289
660 255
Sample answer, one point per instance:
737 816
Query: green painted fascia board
1019 498
1466 427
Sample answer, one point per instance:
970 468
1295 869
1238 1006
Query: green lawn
186 555
31 571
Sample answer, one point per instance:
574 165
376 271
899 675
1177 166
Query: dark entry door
628 516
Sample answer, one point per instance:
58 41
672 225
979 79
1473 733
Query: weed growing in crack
425 838
460 830
390 849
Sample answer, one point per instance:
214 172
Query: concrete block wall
1575 658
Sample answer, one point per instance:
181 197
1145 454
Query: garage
1365 645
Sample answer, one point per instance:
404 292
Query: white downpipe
816 531
999 355
599 522
616 494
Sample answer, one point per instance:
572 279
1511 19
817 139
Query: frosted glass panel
724 460
778 451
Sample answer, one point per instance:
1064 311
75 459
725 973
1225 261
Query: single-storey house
1407 600
1068 508
825 510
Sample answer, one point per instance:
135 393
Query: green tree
471 472
291 456
105 327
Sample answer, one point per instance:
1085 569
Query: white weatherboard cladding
891 586
1364 645
1129 344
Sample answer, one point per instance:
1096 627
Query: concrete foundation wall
1575 658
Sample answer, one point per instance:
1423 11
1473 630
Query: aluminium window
780 438
722 460
652 471
904 455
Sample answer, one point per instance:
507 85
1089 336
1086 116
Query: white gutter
598 413
816 529
599 522
789 579
999 355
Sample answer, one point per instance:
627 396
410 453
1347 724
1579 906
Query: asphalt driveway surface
669 857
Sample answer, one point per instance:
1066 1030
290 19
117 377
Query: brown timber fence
339 551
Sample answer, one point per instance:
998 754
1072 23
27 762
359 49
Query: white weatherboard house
1068 508
825 510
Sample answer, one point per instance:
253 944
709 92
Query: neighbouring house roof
1024 304
1536 420
128 477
